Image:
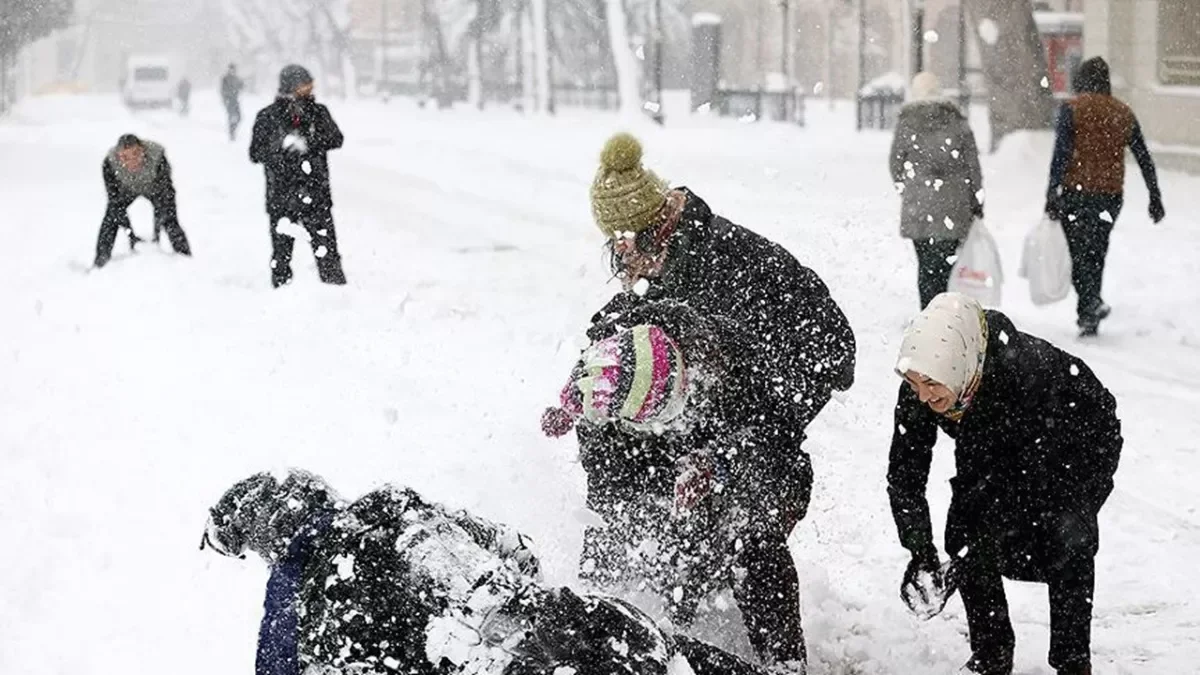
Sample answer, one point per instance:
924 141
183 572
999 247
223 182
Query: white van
147 82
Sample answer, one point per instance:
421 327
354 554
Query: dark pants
698 555
934 262
568 631
1088 229
117 217
318 222
1071 582
233 112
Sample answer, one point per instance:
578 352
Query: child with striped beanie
636 377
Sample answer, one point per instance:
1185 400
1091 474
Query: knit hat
635 376
926 86
292 77
946 343
626 197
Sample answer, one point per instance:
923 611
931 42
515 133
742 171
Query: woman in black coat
1037 441
715 486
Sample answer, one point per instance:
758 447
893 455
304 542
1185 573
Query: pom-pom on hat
626 197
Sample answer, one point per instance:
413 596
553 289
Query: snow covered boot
997 664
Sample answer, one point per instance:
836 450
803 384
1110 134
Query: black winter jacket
297 173
1040 441
802 343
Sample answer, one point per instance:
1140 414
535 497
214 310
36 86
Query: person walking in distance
184 91
231 91
138 168
291 139
934 164
1087 181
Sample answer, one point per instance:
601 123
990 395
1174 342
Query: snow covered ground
132 397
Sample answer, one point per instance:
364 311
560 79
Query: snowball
1074 369
954 154
948 223
321 251
1045 82
345 566
1004 337
989 32
931 36
306 166
391 663
1106 216
818 88
902 429
641 287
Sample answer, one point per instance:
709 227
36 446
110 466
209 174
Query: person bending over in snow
392 583
138 168
291 139
1037 443
692 463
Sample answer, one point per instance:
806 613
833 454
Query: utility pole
784 7
918 36
862 59
383 48
659 116
964 90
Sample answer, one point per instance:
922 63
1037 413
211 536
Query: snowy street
133 396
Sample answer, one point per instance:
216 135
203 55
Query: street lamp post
918 36
964 90
659 117
383 48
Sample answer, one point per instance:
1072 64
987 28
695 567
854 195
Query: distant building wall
1153 47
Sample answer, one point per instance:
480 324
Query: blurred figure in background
934 164
1087 181
138 168
291 139
231 91
185 94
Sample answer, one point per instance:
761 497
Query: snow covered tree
22 22
1014 64
315 33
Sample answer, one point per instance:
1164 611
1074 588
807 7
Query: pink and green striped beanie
635 376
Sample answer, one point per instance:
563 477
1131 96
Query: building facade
1153 47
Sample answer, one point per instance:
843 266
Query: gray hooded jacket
935 163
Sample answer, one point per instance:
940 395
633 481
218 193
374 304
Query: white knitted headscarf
946 342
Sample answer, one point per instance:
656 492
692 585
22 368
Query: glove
694 482
927 585
1054 210
556 422
1157 212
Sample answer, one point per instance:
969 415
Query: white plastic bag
1046 263
977 271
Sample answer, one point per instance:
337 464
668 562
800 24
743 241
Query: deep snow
133 396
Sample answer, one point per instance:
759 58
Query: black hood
1093 77
263 513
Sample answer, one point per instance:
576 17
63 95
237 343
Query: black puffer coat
1035 455
291 140
801 341
734 413
395 584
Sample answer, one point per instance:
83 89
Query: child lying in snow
394 584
